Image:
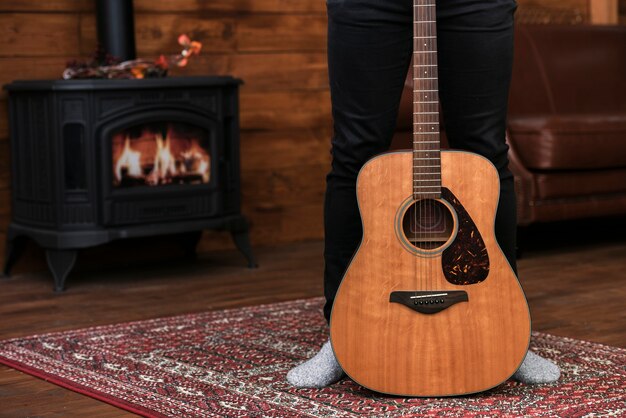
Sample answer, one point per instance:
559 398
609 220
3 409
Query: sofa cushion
566 69
553 185
570 142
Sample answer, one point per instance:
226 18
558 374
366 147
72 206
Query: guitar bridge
429 302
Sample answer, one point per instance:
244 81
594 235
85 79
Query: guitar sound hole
428 224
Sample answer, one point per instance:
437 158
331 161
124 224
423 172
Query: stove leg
15 248
189 242
241 238
60 263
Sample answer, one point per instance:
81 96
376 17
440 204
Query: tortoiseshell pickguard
466 260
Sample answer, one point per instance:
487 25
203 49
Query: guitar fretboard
426 140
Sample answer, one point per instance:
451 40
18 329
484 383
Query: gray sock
319 371
535 370
323 370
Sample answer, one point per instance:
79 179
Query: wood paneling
176 6
38 34
267 150
604 12
287 109
558 12
292 71
598 12
157 33
293 33
47 6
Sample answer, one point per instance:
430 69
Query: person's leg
369 50
475 54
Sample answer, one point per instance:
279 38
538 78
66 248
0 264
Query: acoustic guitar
429 305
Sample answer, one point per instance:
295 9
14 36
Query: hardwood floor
573 274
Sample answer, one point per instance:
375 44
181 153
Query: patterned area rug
233 364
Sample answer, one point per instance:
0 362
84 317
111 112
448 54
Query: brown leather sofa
567 122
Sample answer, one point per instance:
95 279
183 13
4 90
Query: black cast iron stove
98 160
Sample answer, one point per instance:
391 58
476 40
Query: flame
164 162
164 165
129 160
196 162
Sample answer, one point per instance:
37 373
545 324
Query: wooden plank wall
621 7
559 12
600 12
276 46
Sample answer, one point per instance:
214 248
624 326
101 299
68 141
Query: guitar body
458 322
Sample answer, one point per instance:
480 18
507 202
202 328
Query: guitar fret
425 166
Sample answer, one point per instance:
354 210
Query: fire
129 161
154 160
164 164
194 162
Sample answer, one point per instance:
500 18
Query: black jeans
369 50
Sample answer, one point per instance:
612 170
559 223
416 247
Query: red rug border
67 384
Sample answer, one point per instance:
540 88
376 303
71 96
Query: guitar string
426 205
429 201
424 148
441 206
436 88
424 57
415 118
417 145
423 204
418 29
433 61
426 31
423 163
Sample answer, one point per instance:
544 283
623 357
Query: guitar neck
426 137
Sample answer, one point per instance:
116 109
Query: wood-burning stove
98 160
